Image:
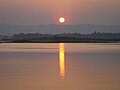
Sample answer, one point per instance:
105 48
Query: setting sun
61 19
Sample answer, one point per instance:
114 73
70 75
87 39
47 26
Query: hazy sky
48 11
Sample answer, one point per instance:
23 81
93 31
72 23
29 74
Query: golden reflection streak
61 60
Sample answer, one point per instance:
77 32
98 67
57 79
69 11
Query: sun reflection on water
61 60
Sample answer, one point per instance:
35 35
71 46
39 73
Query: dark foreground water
60 66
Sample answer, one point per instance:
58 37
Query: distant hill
7 29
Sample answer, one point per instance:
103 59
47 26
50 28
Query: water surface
59 66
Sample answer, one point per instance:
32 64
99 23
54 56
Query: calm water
59 66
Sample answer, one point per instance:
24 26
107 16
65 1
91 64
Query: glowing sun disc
61 19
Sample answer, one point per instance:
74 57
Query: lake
60 66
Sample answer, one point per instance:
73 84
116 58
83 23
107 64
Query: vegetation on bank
95 37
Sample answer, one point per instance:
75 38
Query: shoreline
88 41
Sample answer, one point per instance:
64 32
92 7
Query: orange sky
48 11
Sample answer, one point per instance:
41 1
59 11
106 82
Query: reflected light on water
61 60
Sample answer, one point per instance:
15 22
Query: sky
35 12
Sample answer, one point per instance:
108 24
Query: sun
61 19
